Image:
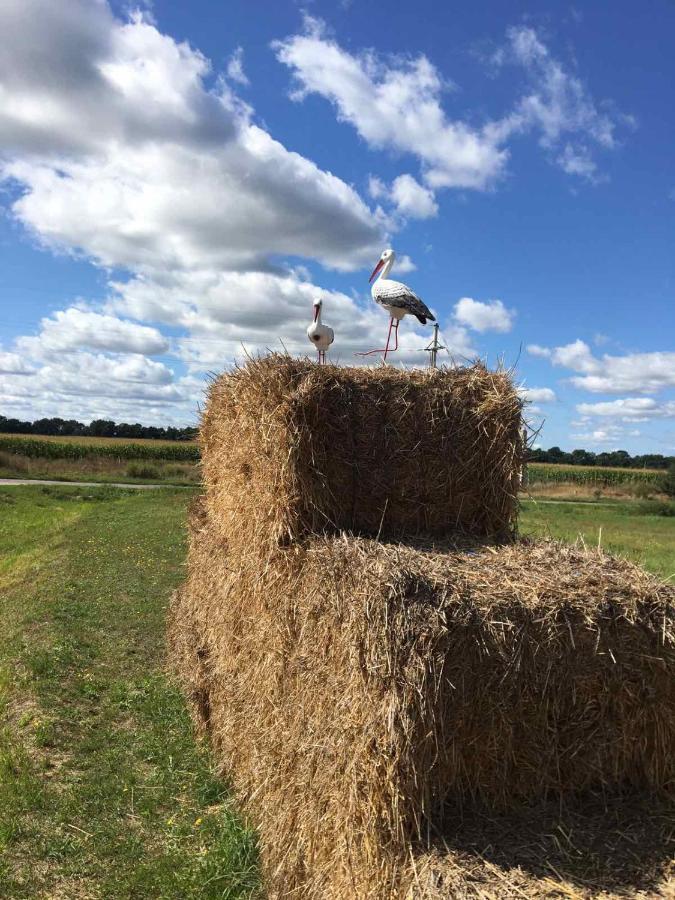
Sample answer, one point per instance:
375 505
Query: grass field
103 791
639 531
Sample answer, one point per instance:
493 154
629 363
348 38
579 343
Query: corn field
50 449
595 476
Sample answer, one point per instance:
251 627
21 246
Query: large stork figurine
319 334
397 298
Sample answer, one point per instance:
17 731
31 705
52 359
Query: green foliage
142 470
595 476
35 448
667 481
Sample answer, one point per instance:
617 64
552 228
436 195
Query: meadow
103 790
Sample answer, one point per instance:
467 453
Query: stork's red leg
386 349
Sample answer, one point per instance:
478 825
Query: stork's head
318 303
387 259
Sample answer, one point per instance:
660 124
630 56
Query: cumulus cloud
490 316
630 409
412 199
538 350
123 153
14 364
72 329
642 373
396 103
229 314
538 394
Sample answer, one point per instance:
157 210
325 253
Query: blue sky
180 181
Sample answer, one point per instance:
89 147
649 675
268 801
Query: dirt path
136 487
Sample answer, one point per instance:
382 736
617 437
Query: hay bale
353 688
291 448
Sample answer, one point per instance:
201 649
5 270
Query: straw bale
355 690
291 448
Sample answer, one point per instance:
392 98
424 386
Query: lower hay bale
353 689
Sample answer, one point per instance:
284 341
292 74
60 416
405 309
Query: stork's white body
397 298
385 291
319 334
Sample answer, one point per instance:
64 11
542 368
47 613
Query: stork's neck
317 313
386 268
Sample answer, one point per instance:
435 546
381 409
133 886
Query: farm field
637 530
99 441
103 791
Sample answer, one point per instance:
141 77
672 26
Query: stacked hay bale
363 644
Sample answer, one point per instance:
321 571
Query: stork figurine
319 334
397 298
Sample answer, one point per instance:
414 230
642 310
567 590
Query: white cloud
557 103
376 187
412 199
630 409
578 161
538 395
14 364
490 316
393 104
396 103
73 328
643 373
229 313
235 67
537 350
123 153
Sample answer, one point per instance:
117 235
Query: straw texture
290 448
354 688
371 652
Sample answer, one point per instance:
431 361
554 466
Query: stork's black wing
411 303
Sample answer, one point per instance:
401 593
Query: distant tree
582 458
101 428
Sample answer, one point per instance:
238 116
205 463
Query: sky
178 182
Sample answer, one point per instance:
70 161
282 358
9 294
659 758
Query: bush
667 483
142 470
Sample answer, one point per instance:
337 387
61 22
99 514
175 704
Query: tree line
108 428
96 428
620 458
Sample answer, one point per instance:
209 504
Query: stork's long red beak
316 312
376 270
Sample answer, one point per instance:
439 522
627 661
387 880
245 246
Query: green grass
101 469
104 792
643 532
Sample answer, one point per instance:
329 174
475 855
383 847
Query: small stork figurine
319 334
397 298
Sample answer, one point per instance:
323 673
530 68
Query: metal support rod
433 348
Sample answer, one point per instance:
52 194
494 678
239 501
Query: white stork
319 334
396 298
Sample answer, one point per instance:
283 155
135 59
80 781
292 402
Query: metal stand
433 348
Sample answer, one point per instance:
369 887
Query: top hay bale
290 448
